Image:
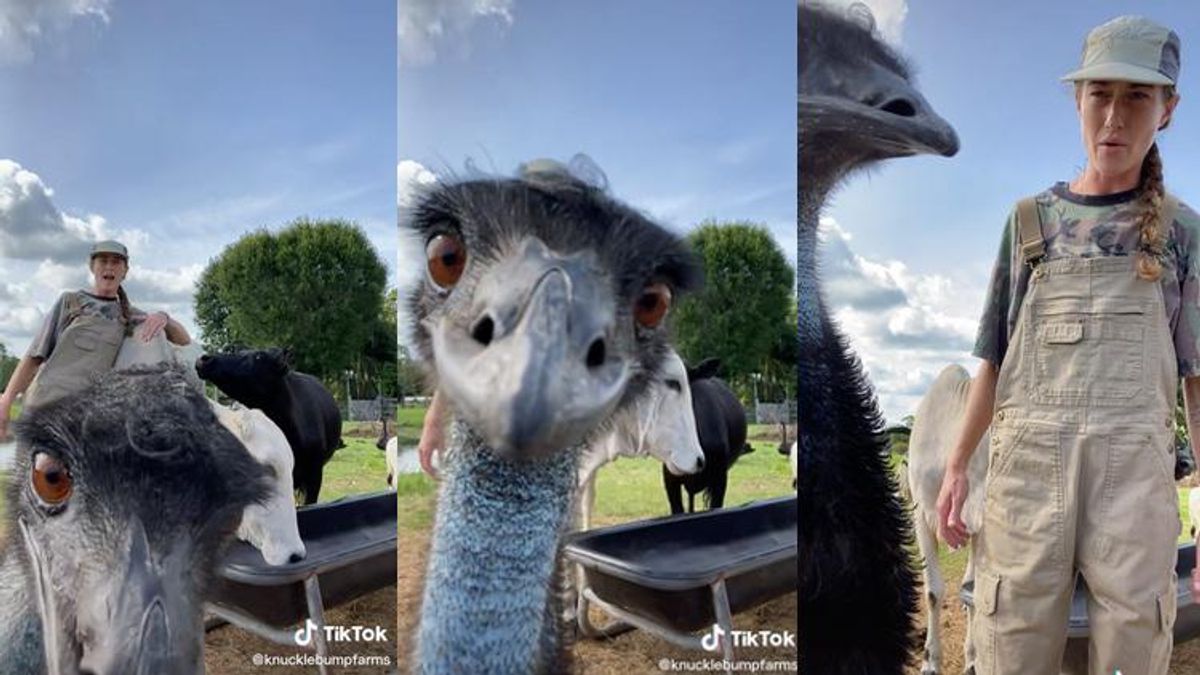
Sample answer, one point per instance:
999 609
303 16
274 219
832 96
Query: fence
774 413
370 409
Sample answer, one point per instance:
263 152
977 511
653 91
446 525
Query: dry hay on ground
628 654
230 650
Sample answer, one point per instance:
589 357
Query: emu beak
870 101
135 623
536 366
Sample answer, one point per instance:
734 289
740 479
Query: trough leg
316 611
935 591
724 619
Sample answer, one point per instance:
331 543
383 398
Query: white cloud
163 286
888 15
424 27
33 228
26 23
411 179
905 326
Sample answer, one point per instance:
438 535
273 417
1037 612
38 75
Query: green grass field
631 488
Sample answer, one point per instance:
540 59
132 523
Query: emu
856 106
541 314
117 508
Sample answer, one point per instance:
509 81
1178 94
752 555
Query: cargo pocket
1161 643
1088 354
983 630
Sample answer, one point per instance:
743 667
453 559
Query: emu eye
446 258
652 305
51 481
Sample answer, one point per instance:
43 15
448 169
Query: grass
629 488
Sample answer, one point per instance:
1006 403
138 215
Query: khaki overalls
87 348
1081 473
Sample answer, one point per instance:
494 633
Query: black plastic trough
667 570
1187 617
351 551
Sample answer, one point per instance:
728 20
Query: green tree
316 286
746 314
8 363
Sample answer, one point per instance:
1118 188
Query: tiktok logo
712 640
304 636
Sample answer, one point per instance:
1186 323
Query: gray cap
1130 49
109 246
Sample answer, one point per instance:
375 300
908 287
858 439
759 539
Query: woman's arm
19 382
980 401
433 432
1191 406
176 333
156 321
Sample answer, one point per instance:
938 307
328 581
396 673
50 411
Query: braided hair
1152 235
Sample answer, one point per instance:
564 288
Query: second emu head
543 304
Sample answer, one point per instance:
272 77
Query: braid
1151 237
124 300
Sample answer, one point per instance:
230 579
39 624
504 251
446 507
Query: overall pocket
1093 355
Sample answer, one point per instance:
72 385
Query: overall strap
1170 206
73 306
1029 230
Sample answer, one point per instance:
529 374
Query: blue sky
178 127
925 230
687 107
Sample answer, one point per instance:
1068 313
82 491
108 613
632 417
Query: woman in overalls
1093 317
83 333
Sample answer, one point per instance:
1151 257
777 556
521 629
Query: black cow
297 403
721 426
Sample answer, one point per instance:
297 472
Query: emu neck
488 589
21 648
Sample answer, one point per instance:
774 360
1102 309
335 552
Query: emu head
119 502
857 102
543 305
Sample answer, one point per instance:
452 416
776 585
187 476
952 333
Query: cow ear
708 368
289 357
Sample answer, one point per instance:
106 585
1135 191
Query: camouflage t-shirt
59 318
1086 226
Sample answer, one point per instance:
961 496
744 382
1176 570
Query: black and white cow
721 426
298 403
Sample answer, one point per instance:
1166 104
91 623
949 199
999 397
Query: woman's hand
432 439
152 325
951 527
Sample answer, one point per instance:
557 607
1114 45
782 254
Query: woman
83 333
1092 319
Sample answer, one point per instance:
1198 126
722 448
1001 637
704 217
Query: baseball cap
1130 49
109 246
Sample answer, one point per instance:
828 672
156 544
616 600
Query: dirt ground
633 653
1185 660
231 650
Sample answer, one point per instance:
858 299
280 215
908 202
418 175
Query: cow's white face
271 526
666 422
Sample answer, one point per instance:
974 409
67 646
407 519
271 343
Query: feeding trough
673 576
